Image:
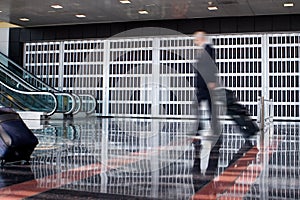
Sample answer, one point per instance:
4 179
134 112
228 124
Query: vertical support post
155 113
155 78
104 154
106 71
61 67
262 114
271 128
266 113
265 67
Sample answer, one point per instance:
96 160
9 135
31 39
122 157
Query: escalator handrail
72 99
35 93
27 72
18 79
31 88
72 110
94 102
79 105
20 107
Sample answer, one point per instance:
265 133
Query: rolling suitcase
240 115
17 141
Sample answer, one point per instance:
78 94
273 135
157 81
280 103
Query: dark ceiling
40 12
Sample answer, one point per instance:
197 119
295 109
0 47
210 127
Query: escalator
38 101
18 94
67 103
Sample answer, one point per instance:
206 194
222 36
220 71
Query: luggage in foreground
17 141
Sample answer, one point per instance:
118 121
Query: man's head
200 38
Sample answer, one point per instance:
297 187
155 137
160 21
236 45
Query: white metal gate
240 63
283 75
152 76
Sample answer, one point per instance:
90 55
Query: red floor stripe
31 188
243 184
221 183
249 176
229 179
210 191
37 186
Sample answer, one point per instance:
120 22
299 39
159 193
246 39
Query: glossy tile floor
116 158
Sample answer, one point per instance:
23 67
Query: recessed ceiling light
143 12
80 16
125 1
288 4
23 19
56 6
212 8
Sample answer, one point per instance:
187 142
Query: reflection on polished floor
127 158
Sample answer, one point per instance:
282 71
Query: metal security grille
82 68
43 60
176 76
70 66
283 78
240 63
130 77
146 77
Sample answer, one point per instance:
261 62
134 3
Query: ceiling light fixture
125 1
143 12
80 16
288 4
23 19
211 7
56 6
